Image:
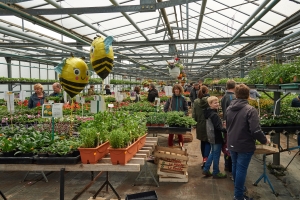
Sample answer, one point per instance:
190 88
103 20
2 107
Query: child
216 146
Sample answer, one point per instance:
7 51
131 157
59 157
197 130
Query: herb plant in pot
121 150
91 151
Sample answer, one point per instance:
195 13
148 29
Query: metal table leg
147 169
3 195
62 184
106 183
265 176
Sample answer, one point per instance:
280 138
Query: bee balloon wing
59 67
107 43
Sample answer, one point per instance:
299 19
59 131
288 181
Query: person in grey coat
176 103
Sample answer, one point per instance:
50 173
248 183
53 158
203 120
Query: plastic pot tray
142 196
16 160
56 160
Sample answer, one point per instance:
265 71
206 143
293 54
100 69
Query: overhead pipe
245 26
140 31
202 10
53 3
164 14
42 23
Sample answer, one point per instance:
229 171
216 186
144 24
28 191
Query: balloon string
71 118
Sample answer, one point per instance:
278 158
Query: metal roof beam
104 9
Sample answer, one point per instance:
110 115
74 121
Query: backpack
210 130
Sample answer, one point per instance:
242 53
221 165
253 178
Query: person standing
176 103
38 97
188 88
201 104
91 90
194 92
107 90
214 156
137 91
254 94
296 102
225 102
152 93
242 122
57 92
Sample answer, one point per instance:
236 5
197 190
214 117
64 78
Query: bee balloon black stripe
102 66
72 83
72 88
96 62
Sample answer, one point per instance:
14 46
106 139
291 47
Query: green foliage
123 82
89 137
179 119
207 81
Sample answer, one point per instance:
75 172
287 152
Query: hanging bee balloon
102 56
74 75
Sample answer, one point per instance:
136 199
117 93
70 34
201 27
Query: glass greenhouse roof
207 36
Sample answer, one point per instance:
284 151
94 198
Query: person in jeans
198 115
242 122
176 103
214 156
225 102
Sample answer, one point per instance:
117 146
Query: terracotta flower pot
122 155
142 141
93 155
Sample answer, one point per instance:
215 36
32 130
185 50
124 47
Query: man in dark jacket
296 102
228 97
242 130
152 93
194 92
225 101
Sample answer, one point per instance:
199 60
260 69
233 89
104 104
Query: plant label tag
168 90
51 102
82 100
9 96
157 101
47 110
22 95
65 97
110 105
57 110
77 99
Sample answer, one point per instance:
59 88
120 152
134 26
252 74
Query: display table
167 130
134 165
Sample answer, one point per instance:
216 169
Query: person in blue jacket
38 97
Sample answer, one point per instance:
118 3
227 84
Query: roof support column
242 66
8 61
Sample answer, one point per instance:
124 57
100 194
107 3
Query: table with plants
80 140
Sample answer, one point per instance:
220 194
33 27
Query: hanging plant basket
174 72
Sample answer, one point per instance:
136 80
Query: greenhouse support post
276 139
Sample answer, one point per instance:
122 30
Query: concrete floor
197 187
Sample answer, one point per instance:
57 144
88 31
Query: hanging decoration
102 56
74 75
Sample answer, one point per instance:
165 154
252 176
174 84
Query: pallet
168 179
170 153
266 149
188 137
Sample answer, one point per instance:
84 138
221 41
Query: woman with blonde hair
38 97
176 103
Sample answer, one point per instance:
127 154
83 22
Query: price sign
110 105
57 110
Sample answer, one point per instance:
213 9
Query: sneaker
220 175
207 173
243 198
205 159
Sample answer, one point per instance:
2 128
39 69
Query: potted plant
121 149
93 146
